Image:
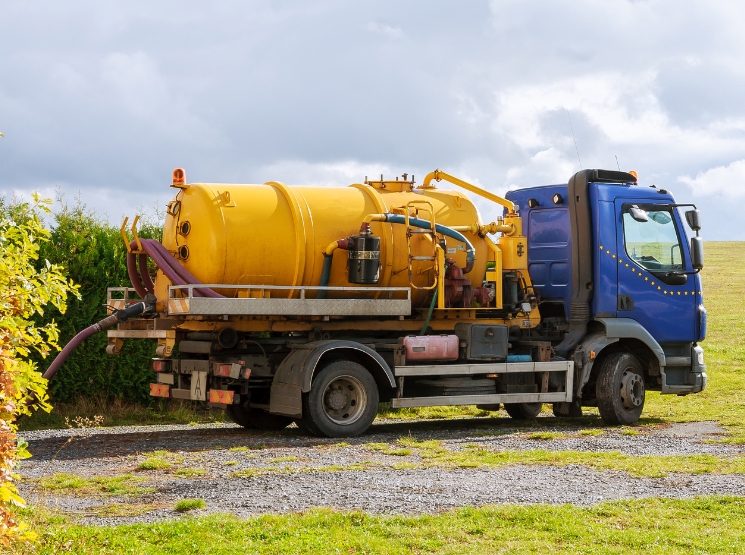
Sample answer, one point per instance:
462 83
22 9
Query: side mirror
638 214
693 217
697 251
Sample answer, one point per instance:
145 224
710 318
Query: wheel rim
632 389
344 400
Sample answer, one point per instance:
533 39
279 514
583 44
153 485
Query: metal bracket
165 346
122 230
114 346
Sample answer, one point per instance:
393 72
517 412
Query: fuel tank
275 234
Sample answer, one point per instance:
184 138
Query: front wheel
620 389
342 401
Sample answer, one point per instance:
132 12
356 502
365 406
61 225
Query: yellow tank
275 234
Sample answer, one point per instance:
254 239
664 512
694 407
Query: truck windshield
653 244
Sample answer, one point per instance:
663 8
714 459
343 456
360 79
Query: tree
25 291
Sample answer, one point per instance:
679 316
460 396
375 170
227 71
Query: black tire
342 401
620 389
263 420
237 414
253 418
523 411
456 386
567 410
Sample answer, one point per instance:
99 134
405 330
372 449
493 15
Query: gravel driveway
250 472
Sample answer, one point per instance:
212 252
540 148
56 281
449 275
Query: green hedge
94 256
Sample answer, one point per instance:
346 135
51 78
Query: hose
116 318
425 224
429 313
325 274
172 268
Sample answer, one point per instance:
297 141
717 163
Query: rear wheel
264 420
237 415
620 389
523 411
342 401
567 410
250 417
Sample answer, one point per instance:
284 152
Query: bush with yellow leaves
27 286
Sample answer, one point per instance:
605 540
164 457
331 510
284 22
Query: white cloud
728 181
384 29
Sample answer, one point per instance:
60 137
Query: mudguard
295 373
615 329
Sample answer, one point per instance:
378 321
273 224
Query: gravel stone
224 449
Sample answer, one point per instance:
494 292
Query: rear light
161 365
227 370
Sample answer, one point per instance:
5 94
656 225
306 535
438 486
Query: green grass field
701 525
652 526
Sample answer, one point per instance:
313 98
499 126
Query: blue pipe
426 224
325 275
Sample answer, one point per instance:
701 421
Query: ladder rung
422 258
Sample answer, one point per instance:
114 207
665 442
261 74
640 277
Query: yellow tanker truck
315 304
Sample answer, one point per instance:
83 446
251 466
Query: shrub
94 255
28 283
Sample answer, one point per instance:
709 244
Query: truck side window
653 244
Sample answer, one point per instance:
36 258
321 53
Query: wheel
523 411
256 418
237 414
620 389
342 401
567 410
456 386
263 420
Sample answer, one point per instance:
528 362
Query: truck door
651 258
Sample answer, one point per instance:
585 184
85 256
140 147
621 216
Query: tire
567 410
456 386
523 411
257 418
263 420
237 414
342 401
620 389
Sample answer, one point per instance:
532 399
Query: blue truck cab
616 272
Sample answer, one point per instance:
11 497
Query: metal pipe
439 228
439 175
328 258
482 229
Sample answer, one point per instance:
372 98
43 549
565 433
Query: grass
190 472
387 449
652 526
724 398
185 505
160 460
546 435
125 484
121 510
117 412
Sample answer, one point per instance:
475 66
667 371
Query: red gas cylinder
431 347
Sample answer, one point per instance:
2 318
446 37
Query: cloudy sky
108 97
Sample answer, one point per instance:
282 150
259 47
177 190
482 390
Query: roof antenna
617 164
575 139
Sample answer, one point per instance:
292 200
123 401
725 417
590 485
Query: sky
104 99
